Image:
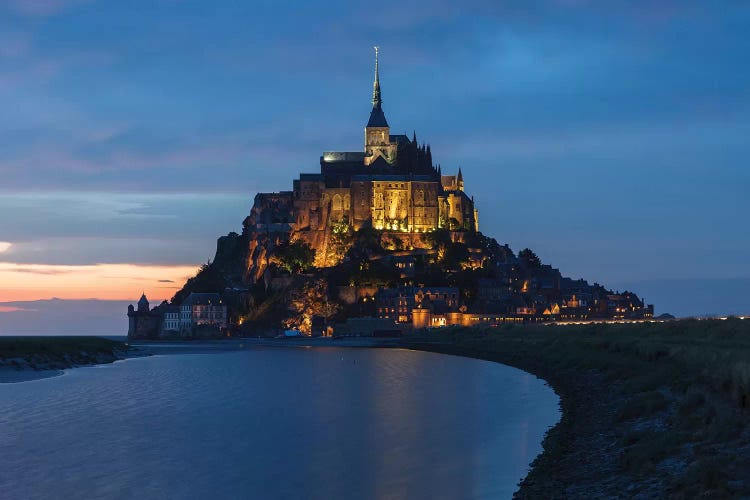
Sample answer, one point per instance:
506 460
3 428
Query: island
378 242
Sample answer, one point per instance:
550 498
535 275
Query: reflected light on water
275 423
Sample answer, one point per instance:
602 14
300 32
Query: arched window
337 203
378 200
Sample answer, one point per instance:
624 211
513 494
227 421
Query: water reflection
275 423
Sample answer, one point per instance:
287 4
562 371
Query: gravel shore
636 422
31 358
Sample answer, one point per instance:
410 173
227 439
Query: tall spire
376 100
377 118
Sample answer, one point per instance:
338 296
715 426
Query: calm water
275 423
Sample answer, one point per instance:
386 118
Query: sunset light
399 249
25 282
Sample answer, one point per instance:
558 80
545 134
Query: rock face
267 227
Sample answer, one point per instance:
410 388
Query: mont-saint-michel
433 281
382 241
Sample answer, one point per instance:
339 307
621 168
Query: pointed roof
143 304
460 175
377 118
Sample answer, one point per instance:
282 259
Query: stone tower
143 305
377 133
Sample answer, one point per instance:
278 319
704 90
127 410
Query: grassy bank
656 409
44 353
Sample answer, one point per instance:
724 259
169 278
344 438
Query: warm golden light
20 282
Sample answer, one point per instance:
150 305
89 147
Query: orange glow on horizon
24 282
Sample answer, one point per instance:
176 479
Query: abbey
390 185
378 241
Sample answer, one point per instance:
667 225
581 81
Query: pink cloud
10 309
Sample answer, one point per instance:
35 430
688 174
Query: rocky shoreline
577 461
637 428
30 358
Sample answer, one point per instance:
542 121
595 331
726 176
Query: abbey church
378 242
390 185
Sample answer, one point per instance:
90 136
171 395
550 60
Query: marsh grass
20 347
682 391
644 355
642 405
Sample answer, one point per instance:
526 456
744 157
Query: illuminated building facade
391 185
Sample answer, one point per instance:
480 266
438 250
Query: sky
610 137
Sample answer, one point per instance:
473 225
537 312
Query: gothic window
419 198
337 203
378 200
347 202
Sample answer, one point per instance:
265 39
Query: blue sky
611 137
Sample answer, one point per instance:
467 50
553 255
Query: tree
393 243
339 242
207 280
295 257
437 238
365 242
455 256
311 300
530 258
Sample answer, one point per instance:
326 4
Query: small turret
143 305
460 180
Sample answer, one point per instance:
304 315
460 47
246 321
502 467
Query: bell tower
377 133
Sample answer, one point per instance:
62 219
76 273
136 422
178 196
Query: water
271 423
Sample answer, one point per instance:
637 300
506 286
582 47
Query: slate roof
377 117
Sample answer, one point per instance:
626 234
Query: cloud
559 110
43 8
5 246
76 228
42 271
166 281
104 281
10 309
